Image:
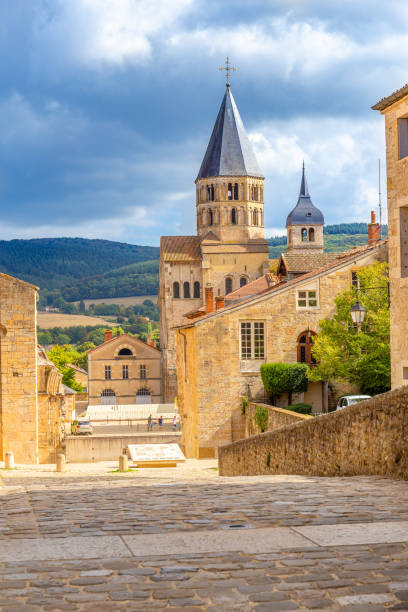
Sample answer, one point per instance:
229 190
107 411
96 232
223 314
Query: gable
112 348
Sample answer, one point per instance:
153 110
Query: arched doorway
143 396
304 348
108 397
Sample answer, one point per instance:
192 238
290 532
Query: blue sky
106 107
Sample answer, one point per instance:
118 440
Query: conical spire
229 152
305 212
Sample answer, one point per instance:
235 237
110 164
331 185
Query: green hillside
53 263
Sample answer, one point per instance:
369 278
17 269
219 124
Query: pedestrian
178 421
160 421
174 422
149 423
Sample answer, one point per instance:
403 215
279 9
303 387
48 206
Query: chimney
209 300
150 342
219 302
108 335
373 230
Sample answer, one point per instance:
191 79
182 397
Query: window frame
125 372
108 372
176 290
307 299
142 371
249 351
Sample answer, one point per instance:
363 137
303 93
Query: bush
245 403
279 378
300 408
261 417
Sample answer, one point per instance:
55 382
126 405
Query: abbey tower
229 250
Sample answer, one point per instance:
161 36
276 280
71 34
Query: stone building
395 110
219 354
32 400
124 370
229 249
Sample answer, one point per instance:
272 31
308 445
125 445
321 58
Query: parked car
84 427
349 400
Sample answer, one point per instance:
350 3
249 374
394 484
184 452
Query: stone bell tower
304 224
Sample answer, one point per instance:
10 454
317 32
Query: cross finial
228 69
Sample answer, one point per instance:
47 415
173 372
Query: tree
279 378
344 353
63 357
44 337
81 307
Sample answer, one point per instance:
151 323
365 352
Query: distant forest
73 269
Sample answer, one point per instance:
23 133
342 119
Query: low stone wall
277 418
84 449
370 438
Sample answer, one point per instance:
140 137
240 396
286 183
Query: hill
53 263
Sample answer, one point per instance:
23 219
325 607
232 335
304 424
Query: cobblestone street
184 538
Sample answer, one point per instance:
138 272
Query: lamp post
357 314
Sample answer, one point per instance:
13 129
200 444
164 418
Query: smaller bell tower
304 224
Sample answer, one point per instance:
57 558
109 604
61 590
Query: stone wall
277 418
369 438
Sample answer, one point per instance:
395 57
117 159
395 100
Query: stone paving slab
358 533
244 540
40 549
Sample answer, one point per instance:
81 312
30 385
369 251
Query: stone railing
367 438
277 418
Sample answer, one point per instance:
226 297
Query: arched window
243 281
186 289
210 217
234 216
196 289
143 396
108 397
304 234
290 236
125 351
256 193
311 235
176 290
255 217
212 193
228 285
304 346
230 191
236 191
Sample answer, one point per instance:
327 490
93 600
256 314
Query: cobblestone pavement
93 501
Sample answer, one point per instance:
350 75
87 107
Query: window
243 281
354 280
108 373
255 217
210 217
143 396
125 371
142 371
210 193
307 299
304 234
236 191
196 289
108 397
125 351
186 289
230 191
234 216
403 211
252 340
402 138
228 285
311 234
304 346
176 290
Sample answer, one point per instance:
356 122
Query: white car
349 400
84 427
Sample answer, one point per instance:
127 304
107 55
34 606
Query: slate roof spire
305 212
229 152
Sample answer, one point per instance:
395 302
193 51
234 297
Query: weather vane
228 69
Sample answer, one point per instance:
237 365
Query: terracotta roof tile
180 248
259 285
306 262
394 97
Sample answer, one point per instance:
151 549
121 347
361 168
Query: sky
107 106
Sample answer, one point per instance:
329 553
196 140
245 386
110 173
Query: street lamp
357 313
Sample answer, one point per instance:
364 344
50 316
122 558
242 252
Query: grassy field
126 301
47 320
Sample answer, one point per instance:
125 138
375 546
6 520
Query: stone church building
229 249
